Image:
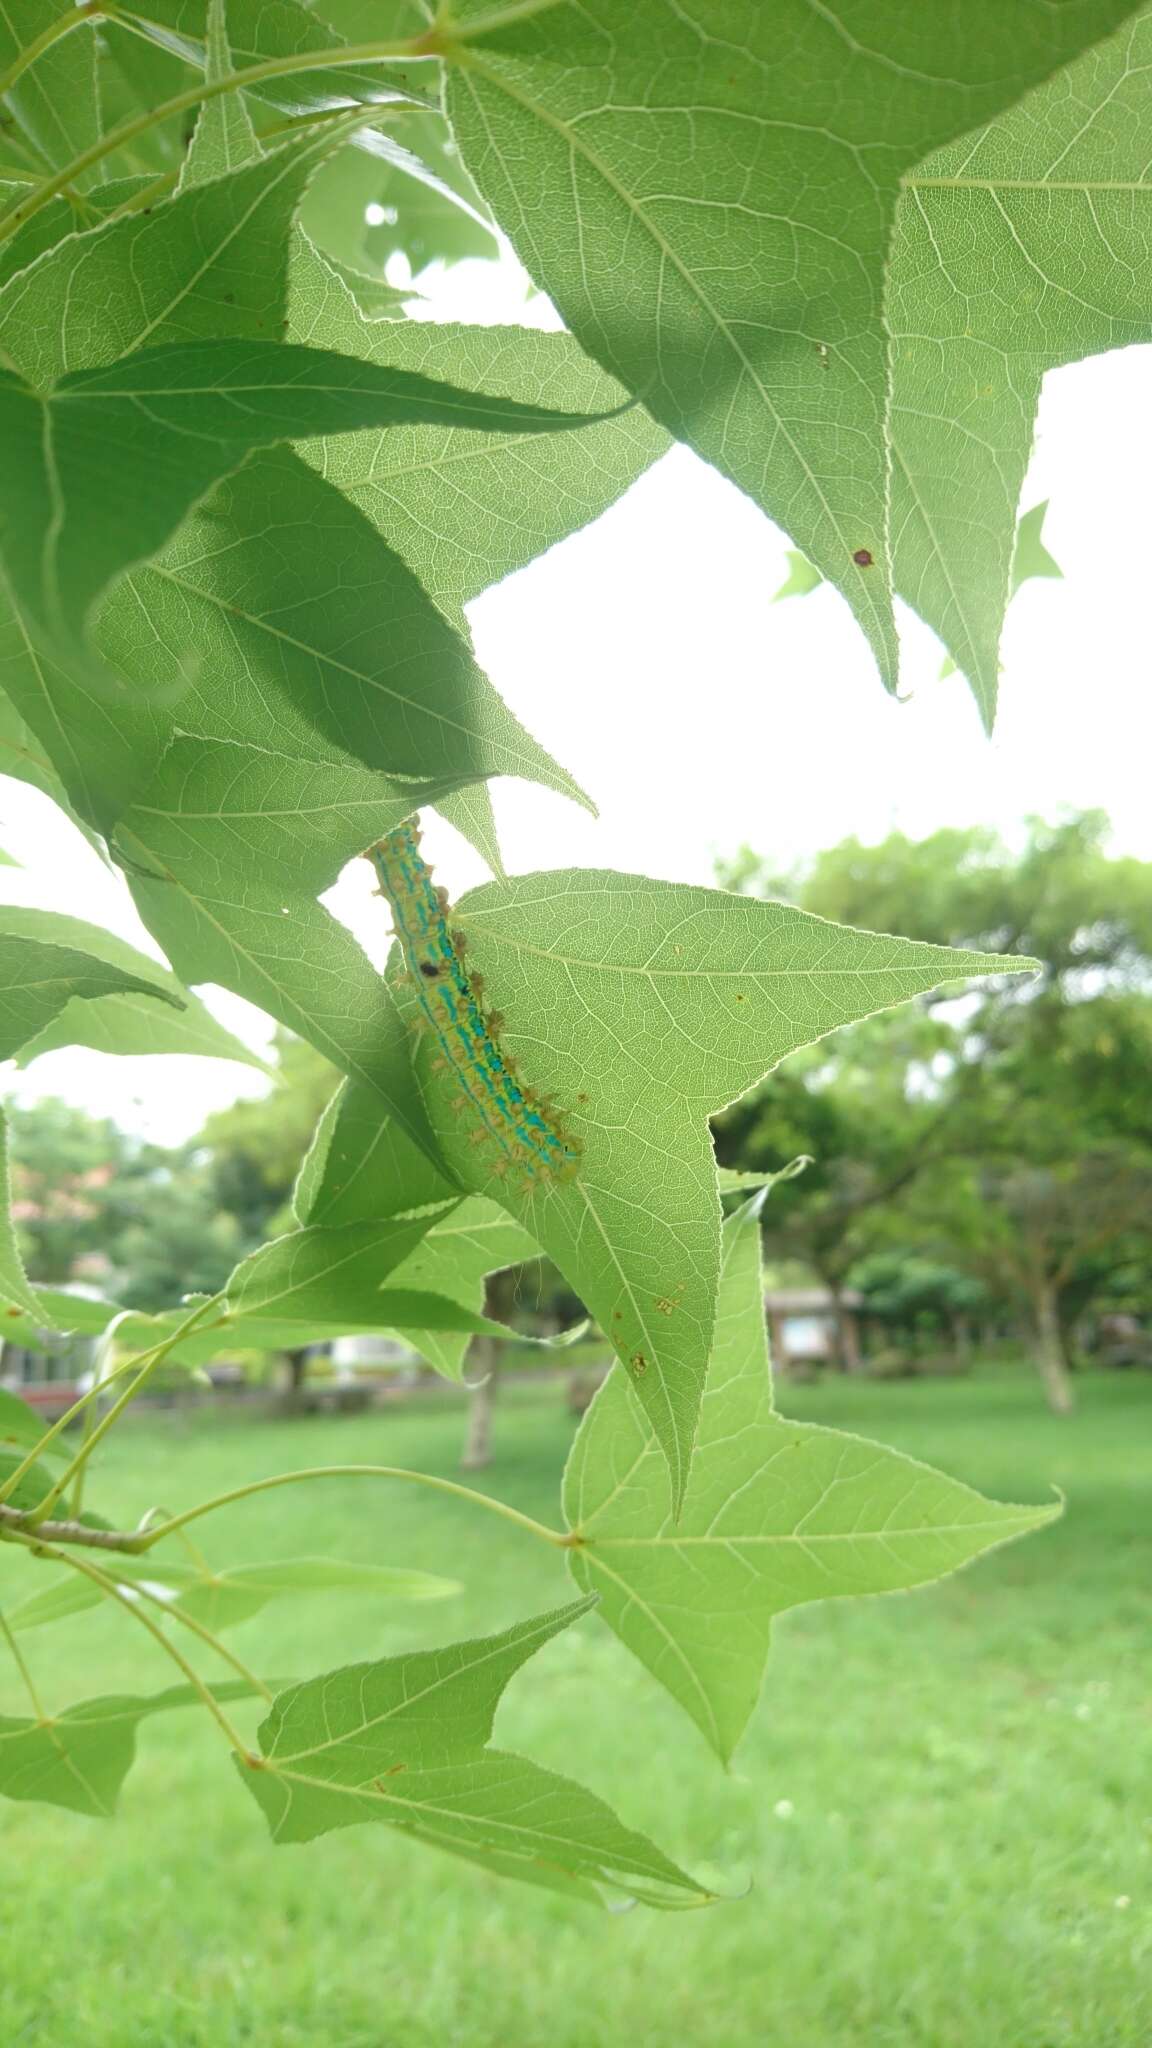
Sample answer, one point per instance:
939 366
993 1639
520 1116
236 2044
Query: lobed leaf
284 952
47 961
223 140
775 1513
709 197
54 107
102 468
465 509
283 588
1051 201
454 1259
79 1759
225 1598
403 1741
645 1007
319 1274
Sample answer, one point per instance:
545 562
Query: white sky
646 655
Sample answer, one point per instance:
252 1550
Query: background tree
1004 1135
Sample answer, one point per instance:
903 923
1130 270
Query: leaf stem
345 58
62 1422
109 1586
205 1634
87 10
450 1486
22 1666
143 1374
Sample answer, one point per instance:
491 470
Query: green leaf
16 1296
469 811
274 28
224 139
79 732
453 1259
59 218
1030 559
1023 247
211 261
79 1759
708 201
55 105
776 1513
730 1181
801 578
360 1166
133 1025
222 1599
47 960
403 1741
282 586
31 1488
466 509
374 297
285 953
101 469
20 1426
644 1007
21 754
323 1275
57 1310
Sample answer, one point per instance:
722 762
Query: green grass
942 1806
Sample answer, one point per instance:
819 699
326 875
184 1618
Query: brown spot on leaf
863 558
638 1364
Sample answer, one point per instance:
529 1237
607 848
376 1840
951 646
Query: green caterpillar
523 1126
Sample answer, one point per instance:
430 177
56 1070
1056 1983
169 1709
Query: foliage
238 524
1008 1136
91 1204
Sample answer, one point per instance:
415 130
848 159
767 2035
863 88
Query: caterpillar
522 1125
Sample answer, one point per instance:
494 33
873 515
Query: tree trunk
961 1341
1048 1349
484 1360
292 1400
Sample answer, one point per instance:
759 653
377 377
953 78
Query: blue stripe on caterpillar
523 1127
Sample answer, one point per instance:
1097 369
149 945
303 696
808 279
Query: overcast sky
646 654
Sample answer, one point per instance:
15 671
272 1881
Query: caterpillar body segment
525 1130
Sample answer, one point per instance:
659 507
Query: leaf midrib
577 144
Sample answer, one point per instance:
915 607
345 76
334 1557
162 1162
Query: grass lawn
944 1805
